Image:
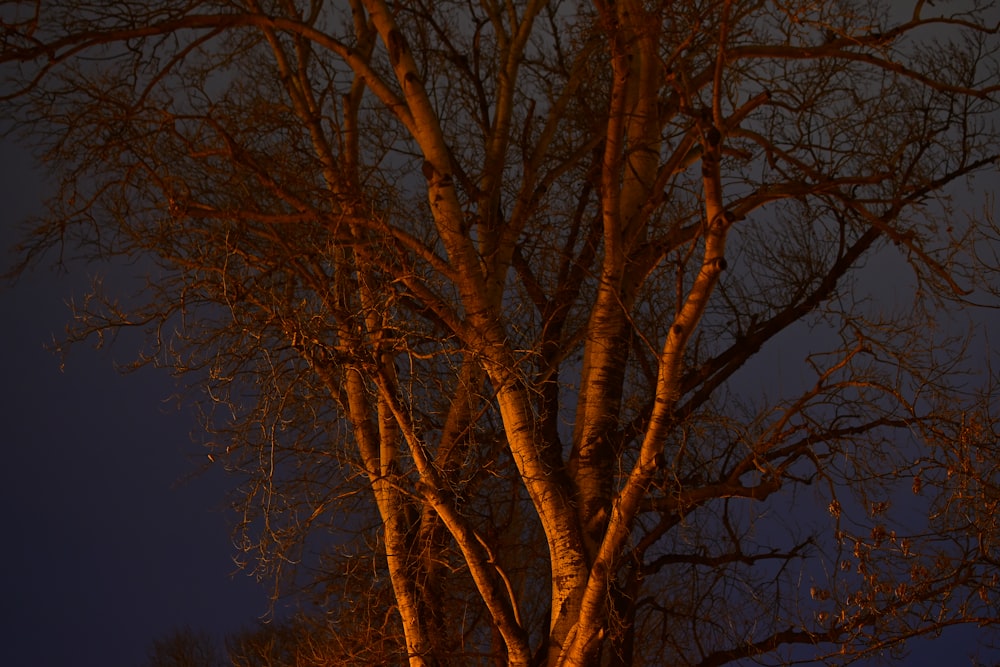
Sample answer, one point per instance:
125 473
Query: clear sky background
114 536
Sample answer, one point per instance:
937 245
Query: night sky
117 532
113 537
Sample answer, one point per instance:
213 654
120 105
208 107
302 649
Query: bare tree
478 294
185 647
311 641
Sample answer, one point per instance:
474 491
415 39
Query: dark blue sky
112 538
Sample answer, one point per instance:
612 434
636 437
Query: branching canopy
487 303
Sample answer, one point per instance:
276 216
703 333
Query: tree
293 642
307 642
185 647
477 295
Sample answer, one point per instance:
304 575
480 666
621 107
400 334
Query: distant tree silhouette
185 647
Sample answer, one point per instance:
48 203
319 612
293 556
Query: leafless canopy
558 332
